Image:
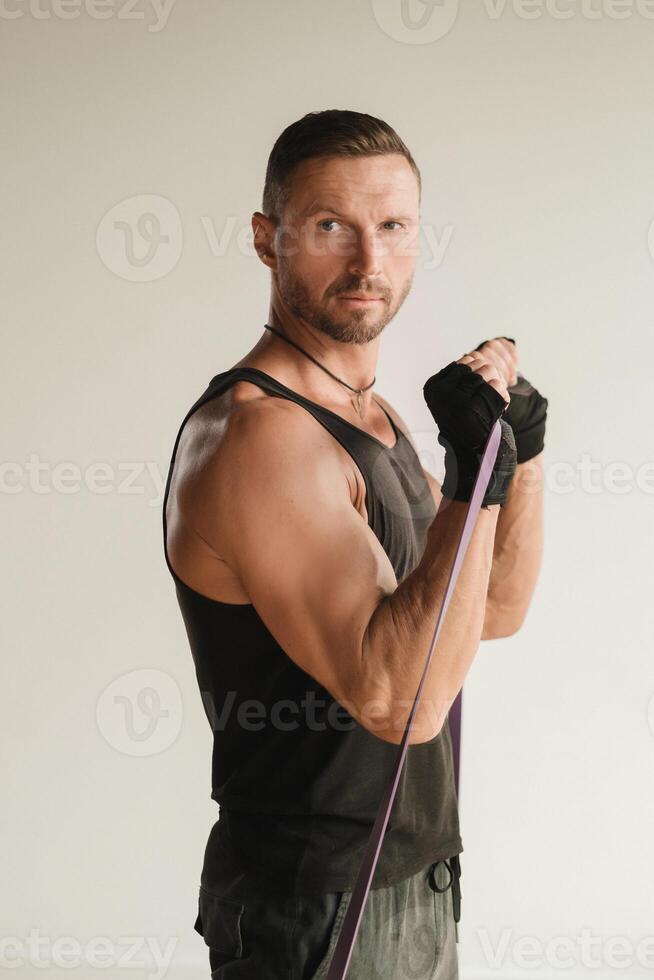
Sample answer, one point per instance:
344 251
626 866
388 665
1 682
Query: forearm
517 553
398 636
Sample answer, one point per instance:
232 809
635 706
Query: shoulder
263 461
253 436
277 433
253 448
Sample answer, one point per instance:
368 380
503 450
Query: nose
366 260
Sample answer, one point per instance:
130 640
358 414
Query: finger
511 349
489 372
479 364
501 388
499 349
493 377
509 342
505 372
475 355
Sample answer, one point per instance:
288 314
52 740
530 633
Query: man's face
350 229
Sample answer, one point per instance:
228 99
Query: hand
496 364
527 411
466 398
503 353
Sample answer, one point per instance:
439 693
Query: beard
351 327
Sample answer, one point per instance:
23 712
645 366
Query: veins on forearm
518 548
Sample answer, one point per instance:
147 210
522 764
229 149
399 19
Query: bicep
310 564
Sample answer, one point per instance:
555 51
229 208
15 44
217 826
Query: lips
363 299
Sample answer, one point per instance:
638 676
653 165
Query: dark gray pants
407 932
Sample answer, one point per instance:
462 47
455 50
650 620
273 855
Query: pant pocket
219 923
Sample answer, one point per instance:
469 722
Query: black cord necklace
358 391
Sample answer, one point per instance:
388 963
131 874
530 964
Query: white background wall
533 129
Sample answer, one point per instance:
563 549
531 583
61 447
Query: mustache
382 291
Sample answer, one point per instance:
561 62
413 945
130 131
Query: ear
263 231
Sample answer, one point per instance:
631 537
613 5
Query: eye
327 221
398 223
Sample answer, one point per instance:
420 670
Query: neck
353 363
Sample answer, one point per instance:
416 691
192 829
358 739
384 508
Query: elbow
387 719
389 726
499 633
426 726
499 623
394 737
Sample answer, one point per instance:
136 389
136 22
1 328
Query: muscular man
310 553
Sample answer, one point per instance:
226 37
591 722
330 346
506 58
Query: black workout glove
465 408
526 415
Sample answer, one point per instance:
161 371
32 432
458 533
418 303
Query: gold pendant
359 404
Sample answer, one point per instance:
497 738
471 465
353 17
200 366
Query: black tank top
299 790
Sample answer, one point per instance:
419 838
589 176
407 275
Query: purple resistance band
522 387
350 927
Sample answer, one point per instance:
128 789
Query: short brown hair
325 133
